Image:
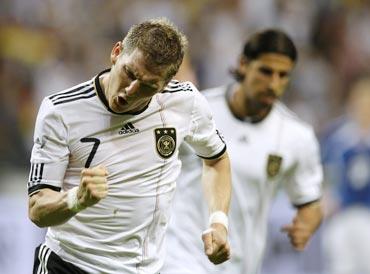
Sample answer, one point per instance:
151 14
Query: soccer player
269 148
105 161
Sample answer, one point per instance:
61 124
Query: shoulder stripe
173 82
71 90
84 90
173 85
83 95
177 87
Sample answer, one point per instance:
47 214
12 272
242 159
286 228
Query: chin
116 108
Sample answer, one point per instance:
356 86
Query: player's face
131 84
266 79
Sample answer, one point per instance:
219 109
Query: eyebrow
151 83
269 70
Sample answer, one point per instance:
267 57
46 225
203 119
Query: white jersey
75 128
279 151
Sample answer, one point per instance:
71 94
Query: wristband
72 200
219 217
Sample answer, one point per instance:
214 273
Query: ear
243 65
116 51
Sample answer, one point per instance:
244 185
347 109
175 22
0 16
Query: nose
276 83
132 88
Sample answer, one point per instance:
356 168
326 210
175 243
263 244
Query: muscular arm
307 220
216 181
48 207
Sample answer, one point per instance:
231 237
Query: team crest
165 139
273 165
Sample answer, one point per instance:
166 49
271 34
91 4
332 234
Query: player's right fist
216 244
93 186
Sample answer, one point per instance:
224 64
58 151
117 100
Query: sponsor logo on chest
128 128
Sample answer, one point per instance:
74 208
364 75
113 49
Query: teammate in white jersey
269 148
105 161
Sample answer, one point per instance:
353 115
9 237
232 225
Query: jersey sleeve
305 184
203 136
50 153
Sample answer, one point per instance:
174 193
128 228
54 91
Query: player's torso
140 154
130 147
263 153
262 156
139 151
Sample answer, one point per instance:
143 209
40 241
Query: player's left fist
298 232
216 245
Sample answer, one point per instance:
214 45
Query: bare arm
216 181
304 224
48 207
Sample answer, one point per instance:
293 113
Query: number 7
96 142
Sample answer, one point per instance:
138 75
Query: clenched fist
216 245
298 232
93 186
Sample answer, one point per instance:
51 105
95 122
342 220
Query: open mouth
120 101
119 104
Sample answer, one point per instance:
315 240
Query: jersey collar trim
104 100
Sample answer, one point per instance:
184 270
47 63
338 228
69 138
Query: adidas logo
127 129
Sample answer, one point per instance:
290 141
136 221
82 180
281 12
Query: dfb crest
165 139
273 165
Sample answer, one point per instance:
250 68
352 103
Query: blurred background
49 45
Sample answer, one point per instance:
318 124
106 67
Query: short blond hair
161 42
